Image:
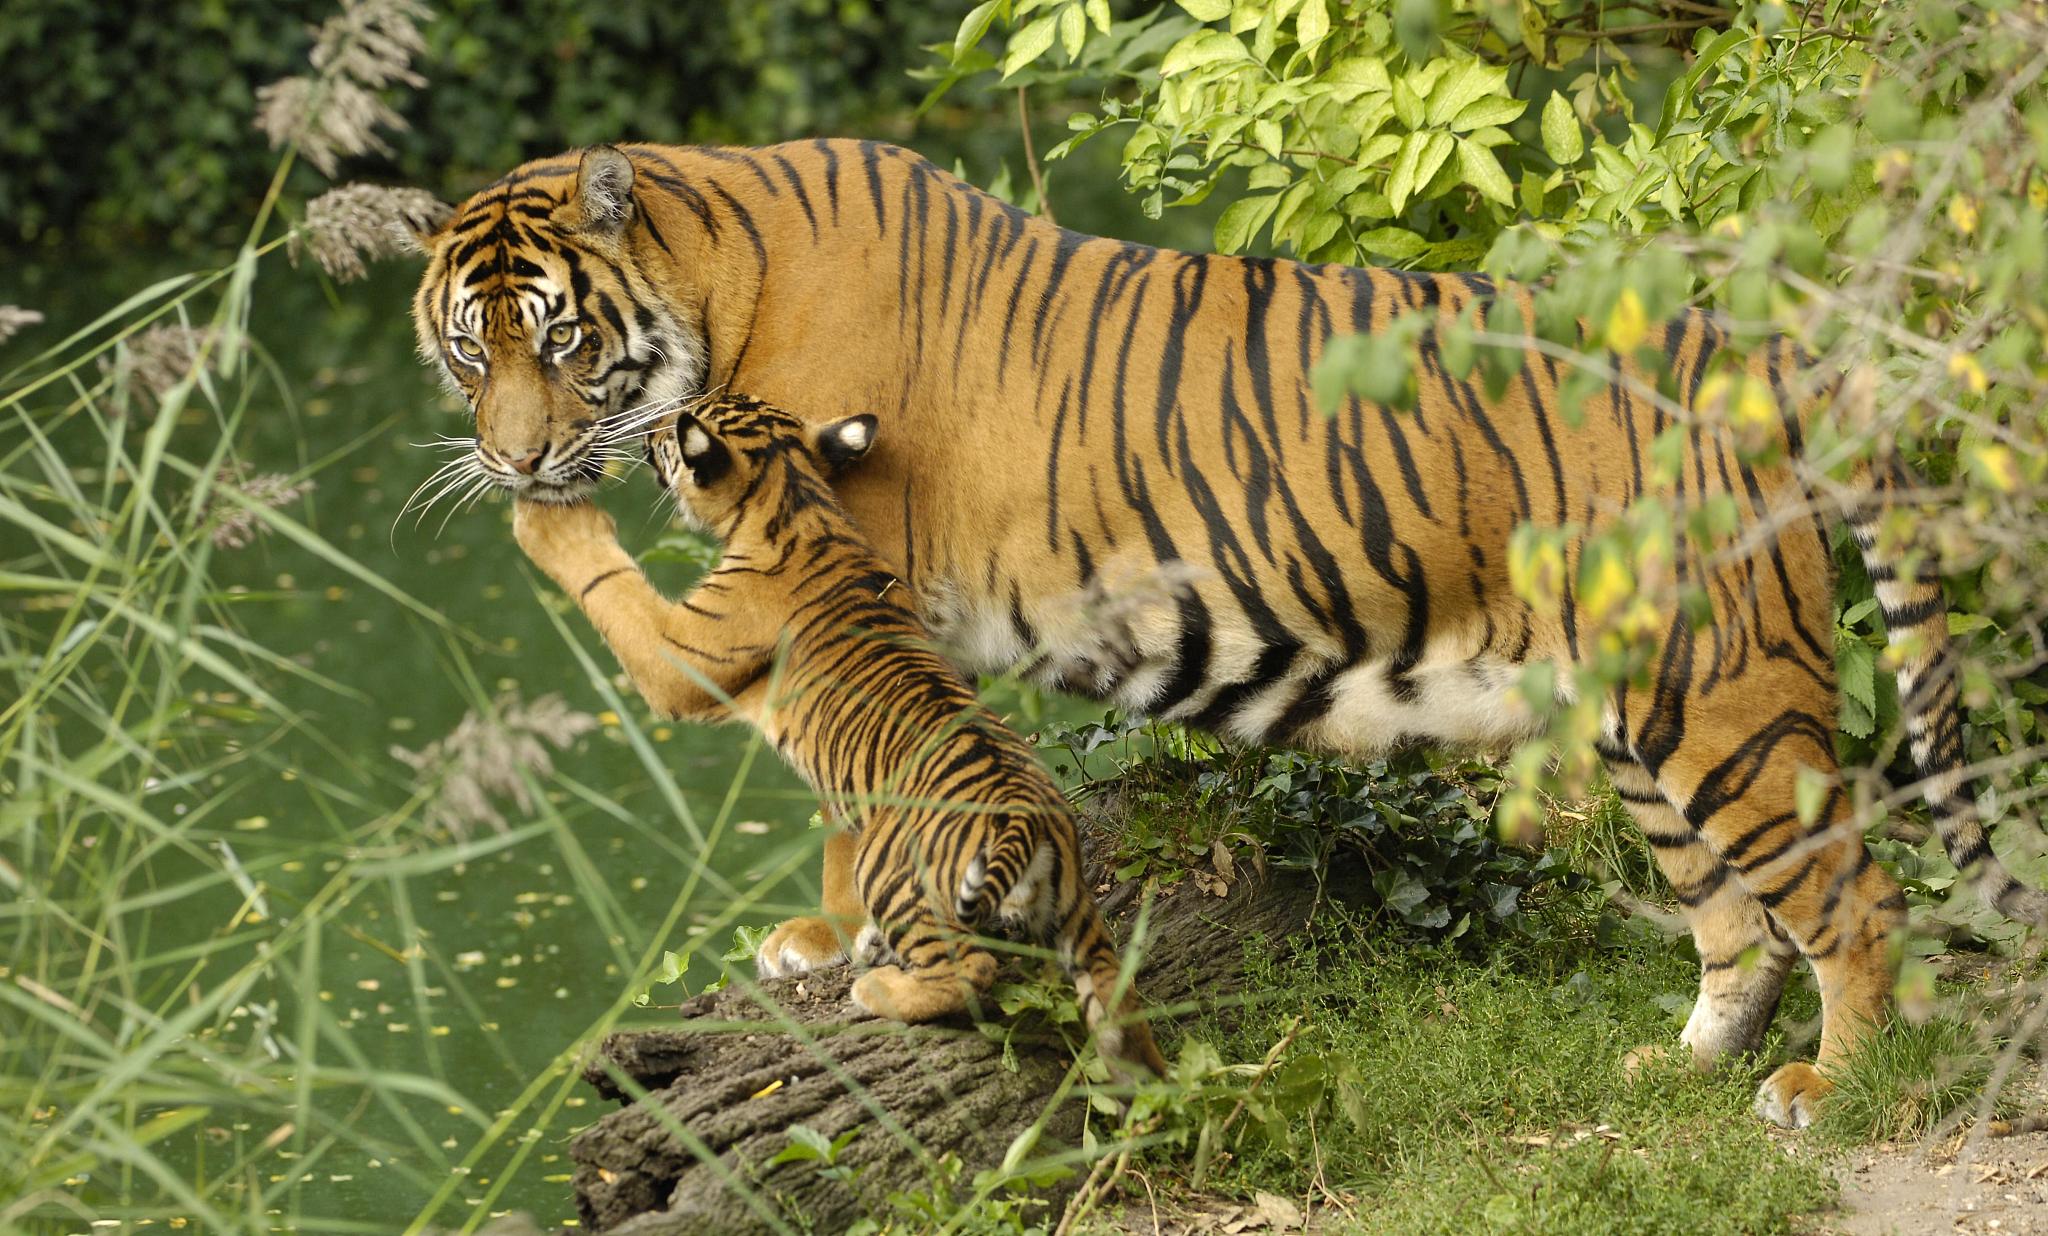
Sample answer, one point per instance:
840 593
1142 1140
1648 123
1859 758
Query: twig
1031 156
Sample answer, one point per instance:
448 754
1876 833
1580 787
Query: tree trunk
749 1062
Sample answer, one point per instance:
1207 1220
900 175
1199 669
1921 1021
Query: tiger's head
536 309
732 455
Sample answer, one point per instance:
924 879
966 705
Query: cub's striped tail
1030 874
1916 626
1109 1000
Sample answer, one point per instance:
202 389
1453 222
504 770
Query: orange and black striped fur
803 631
1103 461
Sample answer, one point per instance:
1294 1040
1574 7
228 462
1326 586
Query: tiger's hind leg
1735 781
939 971
816 942
1744 957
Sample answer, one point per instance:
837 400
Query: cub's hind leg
1744 957
816 942
939 970
1734 777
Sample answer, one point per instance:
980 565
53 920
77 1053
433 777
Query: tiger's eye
561 333
468 347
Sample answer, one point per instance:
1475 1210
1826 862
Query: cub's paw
1791 1097
870 947
548 531
887 991
798 946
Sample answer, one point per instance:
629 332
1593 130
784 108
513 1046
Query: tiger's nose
528 465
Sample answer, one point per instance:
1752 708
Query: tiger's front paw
798 946
555 534
1791 1097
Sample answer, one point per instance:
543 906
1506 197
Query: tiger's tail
1915 613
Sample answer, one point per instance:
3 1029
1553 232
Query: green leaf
1073 29
1809 793
1562 140
1242 220
1856 670
1098 13
1483 172
1200 50
973 26
1030 43
1206 10
1396 244
1462 85
1312 24
1487 111
1407 105
1401 182
1266 135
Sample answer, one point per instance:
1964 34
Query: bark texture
745 1064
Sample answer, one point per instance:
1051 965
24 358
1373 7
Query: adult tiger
1067 418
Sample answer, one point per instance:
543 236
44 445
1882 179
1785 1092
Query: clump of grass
1904 1081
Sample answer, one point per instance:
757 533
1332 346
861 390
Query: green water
457 970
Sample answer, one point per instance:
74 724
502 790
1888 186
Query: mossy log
746 1064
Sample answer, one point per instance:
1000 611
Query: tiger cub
803 632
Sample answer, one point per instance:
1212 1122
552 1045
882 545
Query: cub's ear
704 455
841 444
604 192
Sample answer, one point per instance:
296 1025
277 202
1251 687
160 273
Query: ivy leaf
1483 172
1030 43
1562 140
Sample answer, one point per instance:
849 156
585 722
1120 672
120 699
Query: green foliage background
1868 179
121 123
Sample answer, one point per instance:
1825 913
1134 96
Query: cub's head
734 455
535 308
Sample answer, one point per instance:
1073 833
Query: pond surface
460 965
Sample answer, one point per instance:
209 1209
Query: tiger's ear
841 444
705 457
420 219
604 192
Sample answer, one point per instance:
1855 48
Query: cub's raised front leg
687 660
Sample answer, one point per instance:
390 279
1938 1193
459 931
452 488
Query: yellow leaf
1962 211
1963 365
1628 323
1997 465
1604 584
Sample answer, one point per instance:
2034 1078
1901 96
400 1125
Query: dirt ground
1958 1184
